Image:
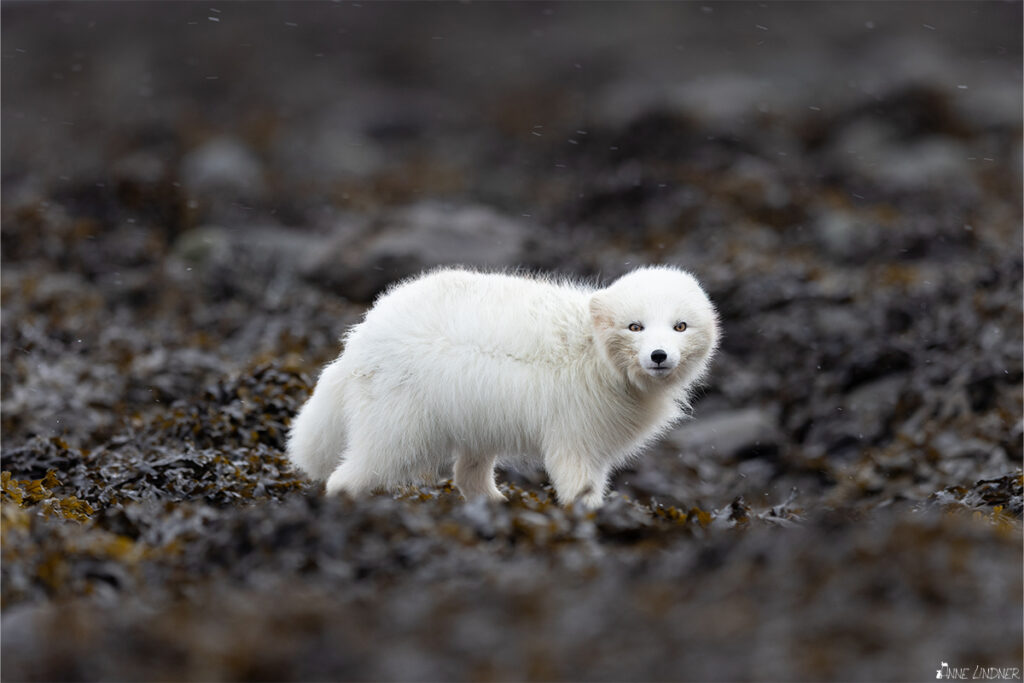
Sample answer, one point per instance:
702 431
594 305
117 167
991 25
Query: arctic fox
462 368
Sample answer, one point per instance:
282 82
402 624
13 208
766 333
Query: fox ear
600 313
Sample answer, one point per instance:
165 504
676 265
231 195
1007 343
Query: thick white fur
461 368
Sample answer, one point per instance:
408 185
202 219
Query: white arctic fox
461 367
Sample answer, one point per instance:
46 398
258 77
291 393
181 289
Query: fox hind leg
355 475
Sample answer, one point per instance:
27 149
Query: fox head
656 326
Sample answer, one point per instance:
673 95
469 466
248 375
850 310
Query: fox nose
658 356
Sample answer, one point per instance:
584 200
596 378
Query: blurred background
199 198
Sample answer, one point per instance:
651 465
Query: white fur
461 368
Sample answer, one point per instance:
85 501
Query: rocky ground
198 200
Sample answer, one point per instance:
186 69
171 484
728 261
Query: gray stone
264 249
361 262
862 419
203 245
143 166
872 405
737 433
222 164
843 235
432 233
874 150
721 100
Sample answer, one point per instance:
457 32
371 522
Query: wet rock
423 236
329 150
142 167
872 407
622 519
844 236
721 101
261 250
205 244
761 188
726 100
875 150
924 164
222 164
734 435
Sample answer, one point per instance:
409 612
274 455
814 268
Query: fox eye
635 327
680 327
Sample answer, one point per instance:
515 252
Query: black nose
658 355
